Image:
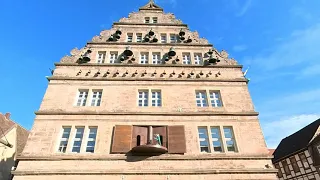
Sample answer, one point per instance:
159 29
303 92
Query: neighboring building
297 156
13 138
147 99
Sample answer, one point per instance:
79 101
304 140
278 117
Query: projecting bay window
156 59
144 59
198 58
77 141
216 142
96 97
64 139
113 57
186 58
82 97
101 57
201 99
91 141
148 139
143 98
204 139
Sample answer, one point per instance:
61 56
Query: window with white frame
198 58
139 37
64 139
204 139
113 57
156 98
216 139
91 142
129 37
147 20
143 96
156 59
144 58
163 38
96 97
229 139
77 141
82 97
201 99
173 38
215 99
154 20
101 56
186 58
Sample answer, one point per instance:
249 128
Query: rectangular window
147 20
286 167
96 98
163 38
113 57
156 98
144 58
215 99
216 139
304 160
129 37
201 99
279 170
204 140
294 164
154 20
82 97
143 98
156 59
173 38
186 58
139 37
229 138
78 139
198 58
101 56
64 139
91 139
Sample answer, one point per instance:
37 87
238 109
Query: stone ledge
59 157
132 44
148 113
147 65
143 172
149 24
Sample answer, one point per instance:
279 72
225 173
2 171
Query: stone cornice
148 113
133 44
143 79
147 65
92 157
138 172
149 24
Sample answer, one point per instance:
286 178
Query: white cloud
302 48
276 130
244 8
239 48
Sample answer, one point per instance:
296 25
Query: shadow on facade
5 168
136 157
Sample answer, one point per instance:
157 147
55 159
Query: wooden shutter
176 140
122 138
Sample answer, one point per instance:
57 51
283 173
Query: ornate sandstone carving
75 55
104 35
138 17
223 56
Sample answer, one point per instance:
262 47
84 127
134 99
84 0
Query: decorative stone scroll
104 35
138 17
223 56
75 55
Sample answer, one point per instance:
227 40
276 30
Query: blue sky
278 40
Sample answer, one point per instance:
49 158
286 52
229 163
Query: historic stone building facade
146 99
